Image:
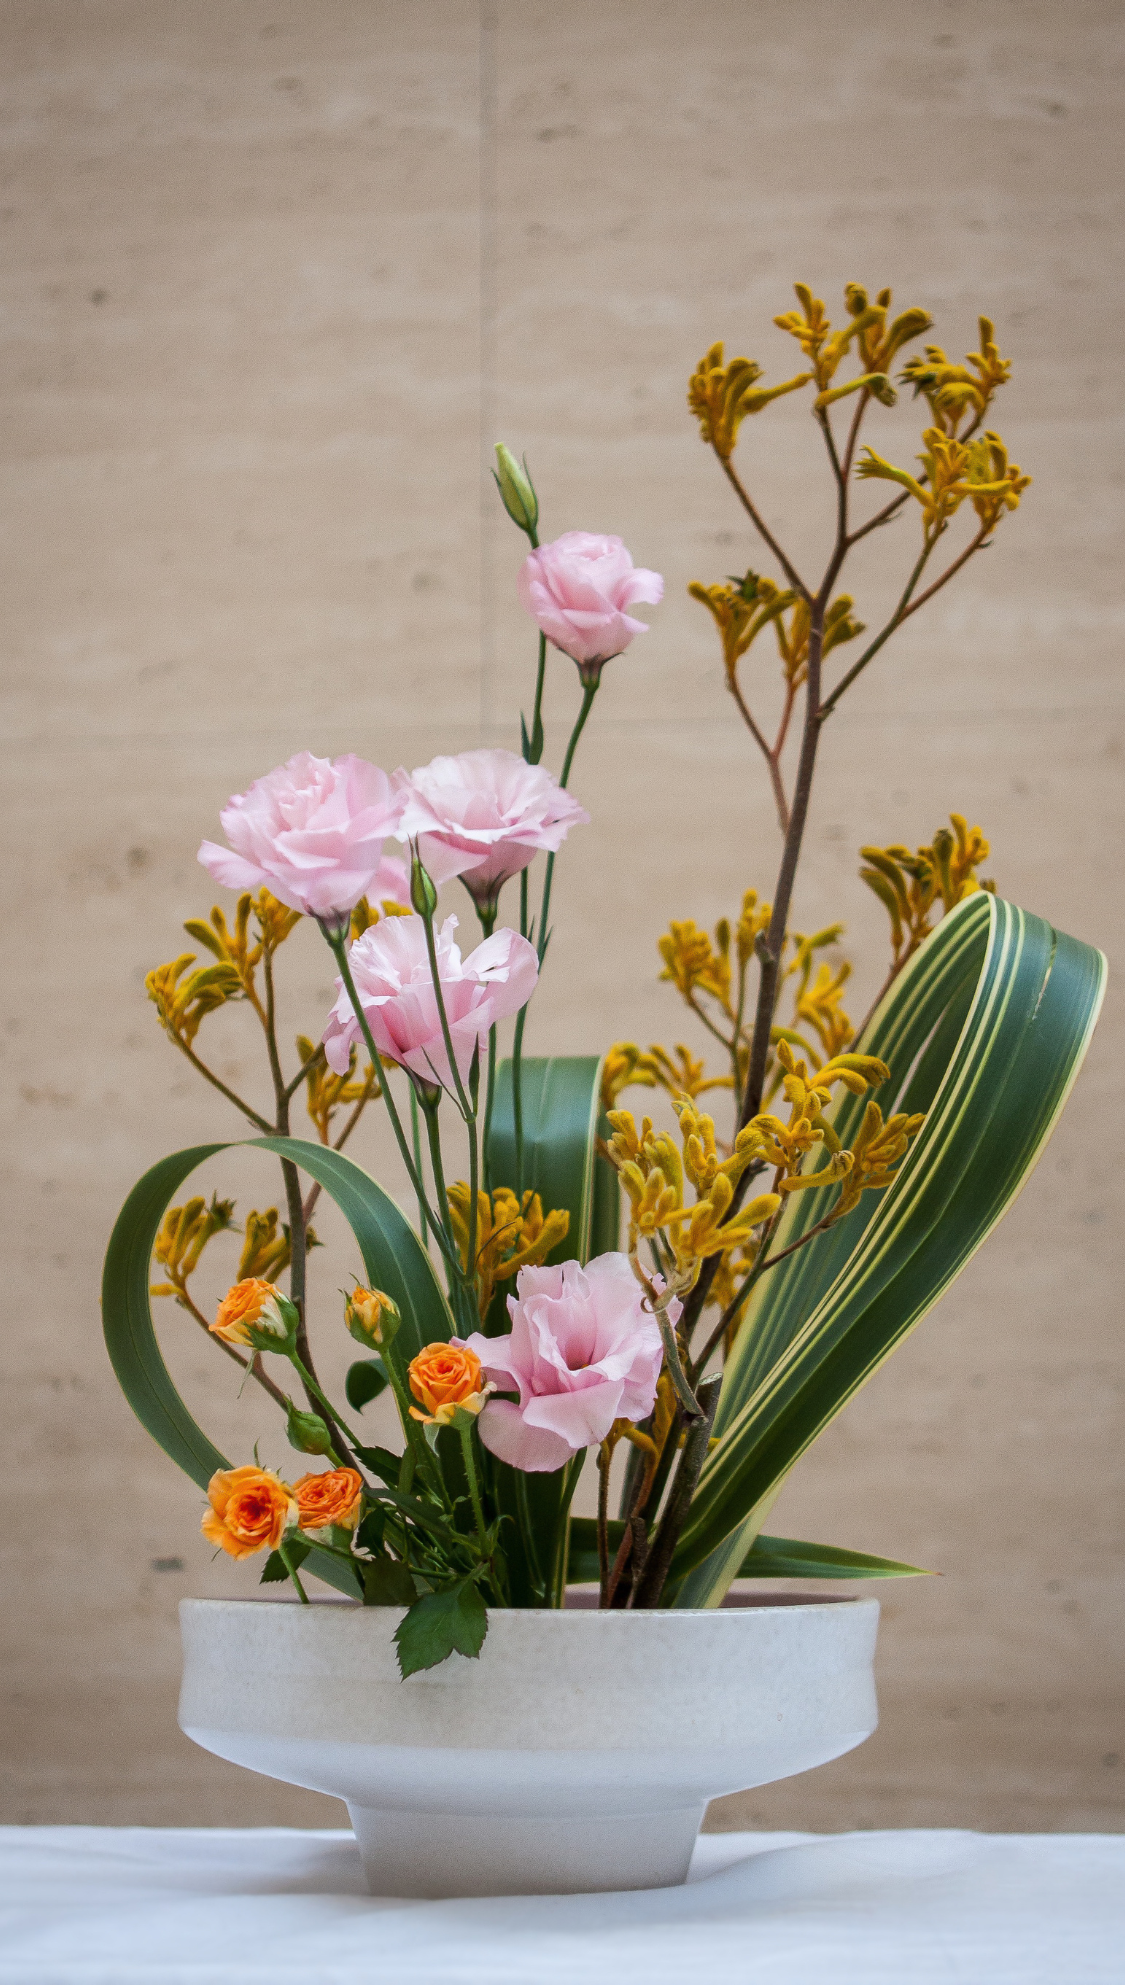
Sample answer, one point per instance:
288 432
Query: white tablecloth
118 1906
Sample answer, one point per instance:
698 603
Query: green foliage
768 1557
388 1583
453 1621
275 1570
985 1029
366 1379
560 1098
393 1259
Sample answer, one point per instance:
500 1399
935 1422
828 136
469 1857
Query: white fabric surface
129 1905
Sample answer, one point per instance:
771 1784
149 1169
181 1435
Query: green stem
453 1258
463 1102
283 1553
562 1537
589 691
416 1141
527 1533
339 951
533 748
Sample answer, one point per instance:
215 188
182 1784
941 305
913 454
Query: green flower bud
423 895
307 1432
517 492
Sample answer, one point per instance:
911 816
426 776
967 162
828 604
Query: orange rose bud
445 1377
372 1317
251 1509
334 1497
255 1313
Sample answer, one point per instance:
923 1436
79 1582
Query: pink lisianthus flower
390 882
583 1351
311 833
391 970
484 815
578 589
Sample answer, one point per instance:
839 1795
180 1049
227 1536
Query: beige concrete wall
254 256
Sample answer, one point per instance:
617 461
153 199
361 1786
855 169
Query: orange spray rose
334 1496
251 1508
444 1377
249 1303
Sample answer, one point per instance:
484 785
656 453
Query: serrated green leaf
453 1621
387 1583
382 1463
985 1029
366 1379
275 1570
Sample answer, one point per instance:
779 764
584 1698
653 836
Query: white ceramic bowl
577 1753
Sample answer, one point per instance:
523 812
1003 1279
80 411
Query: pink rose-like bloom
484 815
391 970
578 589
583 1351
311 833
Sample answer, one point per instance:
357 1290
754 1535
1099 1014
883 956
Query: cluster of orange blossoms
252 1508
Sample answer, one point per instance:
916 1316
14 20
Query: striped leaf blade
986 1029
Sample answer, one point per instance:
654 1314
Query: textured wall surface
275 278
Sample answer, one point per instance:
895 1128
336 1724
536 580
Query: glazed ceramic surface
578 1752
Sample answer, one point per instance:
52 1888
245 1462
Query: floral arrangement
769 1264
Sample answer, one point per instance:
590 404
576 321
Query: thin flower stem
416 1141
338 949
315 1189
463 1102
605 1457
589 692
284 1553
882 516
759 1269
291 1088
251 1365
533 746
772 755
474 1497
261 1123
562 1539
790 571
884 634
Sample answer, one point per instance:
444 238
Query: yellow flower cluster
183 1003
328 1092
510 1235
741 608
653 1173
184 1233
953 471
721 396
912 885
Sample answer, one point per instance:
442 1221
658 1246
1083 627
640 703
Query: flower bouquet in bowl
687 1302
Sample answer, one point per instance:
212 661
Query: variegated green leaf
985 1029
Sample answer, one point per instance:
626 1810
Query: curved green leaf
788 1557
393 1261
560 1100
768 1557
986 1029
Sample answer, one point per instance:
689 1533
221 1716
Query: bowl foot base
452 1854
